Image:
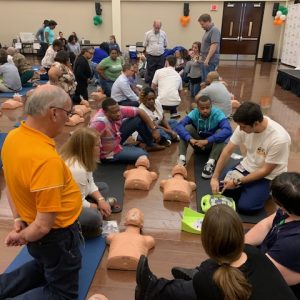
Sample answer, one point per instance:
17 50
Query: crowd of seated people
207 129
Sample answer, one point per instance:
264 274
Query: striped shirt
109 130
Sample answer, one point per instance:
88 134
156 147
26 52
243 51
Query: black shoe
183 273
144 277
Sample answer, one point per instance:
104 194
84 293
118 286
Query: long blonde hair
80 147
222 237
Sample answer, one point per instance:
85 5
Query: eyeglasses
69 113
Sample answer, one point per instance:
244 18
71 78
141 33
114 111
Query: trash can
268 52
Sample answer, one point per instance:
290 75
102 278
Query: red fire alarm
213 7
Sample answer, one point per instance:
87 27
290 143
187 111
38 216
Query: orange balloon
275 22
184 20
279 22
277 17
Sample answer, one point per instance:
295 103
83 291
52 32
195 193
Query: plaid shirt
109 130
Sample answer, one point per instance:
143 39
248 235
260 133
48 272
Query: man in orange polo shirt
45 202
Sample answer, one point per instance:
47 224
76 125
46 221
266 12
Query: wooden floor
248 81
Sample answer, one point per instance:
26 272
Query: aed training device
191 221
208 201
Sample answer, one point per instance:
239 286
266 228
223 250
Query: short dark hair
203 98
108 102
248 113
285 189
113 49
171 59
3 56
71 38
52 23
126 67
62 57
57 43
46 23
104 46
204 18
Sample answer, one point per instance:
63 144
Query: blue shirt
121 90
99 54
51 36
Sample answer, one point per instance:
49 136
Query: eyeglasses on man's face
69 113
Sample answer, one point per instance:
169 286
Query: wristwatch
237 182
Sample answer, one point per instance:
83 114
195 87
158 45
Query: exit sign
213 7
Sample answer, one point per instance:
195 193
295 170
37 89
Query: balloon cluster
280 15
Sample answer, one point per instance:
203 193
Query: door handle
248 39
250 28
231 28
230 39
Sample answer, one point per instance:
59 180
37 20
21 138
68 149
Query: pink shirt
109 130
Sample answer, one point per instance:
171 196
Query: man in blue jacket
205 128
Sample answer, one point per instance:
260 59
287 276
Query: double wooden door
241 27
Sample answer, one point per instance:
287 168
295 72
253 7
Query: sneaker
175 115
183 273
208 170
166 143
181 160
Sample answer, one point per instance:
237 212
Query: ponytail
232 282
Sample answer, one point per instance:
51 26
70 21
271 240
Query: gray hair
43 98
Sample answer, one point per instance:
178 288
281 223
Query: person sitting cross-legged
116 124
121 90
234 270
154 110
267 144
205 128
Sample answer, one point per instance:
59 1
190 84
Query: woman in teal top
109 69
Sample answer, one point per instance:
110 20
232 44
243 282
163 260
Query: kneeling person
205 128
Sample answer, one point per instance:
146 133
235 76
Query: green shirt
112 68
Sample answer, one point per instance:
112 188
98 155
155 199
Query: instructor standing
155 42
210 46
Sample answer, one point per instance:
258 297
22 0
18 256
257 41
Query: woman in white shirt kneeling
81 154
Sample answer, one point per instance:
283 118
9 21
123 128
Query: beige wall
27 16
136 18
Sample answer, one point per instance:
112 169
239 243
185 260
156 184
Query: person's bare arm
291 277
257 233
227 151
212 49
101 72
47 37
33 232
150 124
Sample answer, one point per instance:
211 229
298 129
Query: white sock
211 161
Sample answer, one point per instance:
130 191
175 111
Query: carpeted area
112 174
203 187
92 253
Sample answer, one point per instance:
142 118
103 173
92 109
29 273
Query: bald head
211 76
11 51
45 96
157 26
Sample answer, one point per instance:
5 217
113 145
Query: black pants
176 289
53 272
153 63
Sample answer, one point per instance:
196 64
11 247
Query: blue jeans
53 272
250 197
206 69
131 153
106 86
194 89
164 135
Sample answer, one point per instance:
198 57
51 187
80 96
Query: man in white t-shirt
168 83
268 147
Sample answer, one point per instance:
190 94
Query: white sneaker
208 170
181 160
